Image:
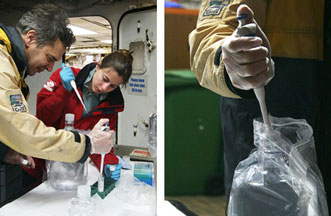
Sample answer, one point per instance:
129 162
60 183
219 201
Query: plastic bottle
67 176
83 204
69 121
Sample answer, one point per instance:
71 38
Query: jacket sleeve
217 20
52 99
26 134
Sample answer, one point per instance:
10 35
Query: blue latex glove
124 164
66 75
113 174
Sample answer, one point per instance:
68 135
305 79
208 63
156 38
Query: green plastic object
193 139
109 186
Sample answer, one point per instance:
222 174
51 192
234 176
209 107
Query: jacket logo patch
215 8
16 103
49 85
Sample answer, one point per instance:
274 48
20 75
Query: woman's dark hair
121 60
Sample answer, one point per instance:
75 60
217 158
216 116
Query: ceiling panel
92 41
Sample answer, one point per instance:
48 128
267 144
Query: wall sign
137 85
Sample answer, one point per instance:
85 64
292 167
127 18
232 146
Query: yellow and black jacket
294 29
19 130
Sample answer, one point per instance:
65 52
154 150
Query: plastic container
193 137
67 176
82 205
281 176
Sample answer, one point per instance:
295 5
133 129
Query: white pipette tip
260 95
74 86
249 30
101 183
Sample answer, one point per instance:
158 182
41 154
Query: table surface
45 201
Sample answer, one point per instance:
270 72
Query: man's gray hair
50 23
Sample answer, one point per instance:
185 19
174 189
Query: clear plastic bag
132 190
280 176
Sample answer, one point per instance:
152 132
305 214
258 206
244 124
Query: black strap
217 58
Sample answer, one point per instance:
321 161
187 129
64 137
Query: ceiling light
80 31
91 51
107 41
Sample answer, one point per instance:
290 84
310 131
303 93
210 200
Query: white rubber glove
248 59
101 141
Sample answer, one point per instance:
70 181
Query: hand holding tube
13 157
113 171
101 141
248 59
250 29
66 75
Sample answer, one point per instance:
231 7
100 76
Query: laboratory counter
45 201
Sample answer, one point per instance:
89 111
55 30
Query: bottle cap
84 192
24 162
112 168
70 117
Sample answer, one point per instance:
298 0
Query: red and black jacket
54 101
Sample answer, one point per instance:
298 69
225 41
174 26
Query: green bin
193 144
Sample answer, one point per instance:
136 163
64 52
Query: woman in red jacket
98 84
